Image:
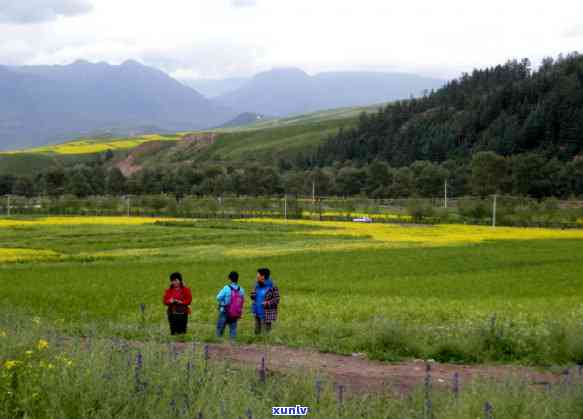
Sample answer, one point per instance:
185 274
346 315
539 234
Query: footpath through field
357 374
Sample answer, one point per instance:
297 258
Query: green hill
508 109
261 141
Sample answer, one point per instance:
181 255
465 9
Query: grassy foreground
451 293
43 376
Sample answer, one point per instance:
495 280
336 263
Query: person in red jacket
177 298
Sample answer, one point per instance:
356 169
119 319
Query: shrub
419 209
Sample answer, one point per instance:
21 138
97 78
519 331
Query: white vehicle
362 220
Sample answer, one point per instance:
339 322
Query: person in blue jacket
224 300
265 298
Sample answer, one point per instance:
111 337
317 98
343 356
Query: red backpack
235 307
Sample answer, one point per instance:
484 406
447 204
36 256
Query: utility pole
445 195
494 212
314 196
285 206
128 199
8 205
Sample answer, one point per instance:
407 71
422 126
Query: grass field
310 118
385 290
451 293
272 142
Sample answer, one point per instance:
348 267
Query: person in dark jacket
177 298
265 298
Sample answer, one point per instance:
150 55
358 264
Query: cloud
231 38
243 3
37 11
574 32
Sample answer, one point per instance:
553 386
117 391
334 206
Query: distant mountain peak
80 62
49 103
289 90
132 63
287 72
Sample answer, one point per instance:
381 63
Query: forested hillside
508 109
531 120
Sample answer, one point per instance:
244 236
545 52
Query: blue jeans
222 323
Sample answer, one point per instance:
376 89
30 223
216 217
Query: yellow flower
66 361
36 320
2 333
93 145
42 344
81 220
50 366
11 364
395 235
28 353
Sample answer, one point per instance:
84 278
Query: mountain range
288 91
48 104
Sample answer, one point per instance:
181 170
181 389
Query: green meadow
74 342
501 300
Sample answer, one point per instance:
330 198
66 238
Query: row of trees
529 174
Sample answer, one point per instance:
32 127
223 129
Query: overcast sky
230 38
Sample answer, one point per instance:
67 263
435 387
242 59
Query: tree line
526 174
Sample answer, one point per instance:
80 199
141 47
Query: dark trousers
262 325
178 323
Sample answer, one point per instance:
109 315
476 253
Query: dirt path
357 373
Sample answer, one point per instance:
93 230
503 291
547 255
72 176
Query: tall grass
43 375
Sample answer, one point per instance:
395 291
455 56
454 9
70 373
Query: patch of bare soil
359 374
196 141
183 147
129 165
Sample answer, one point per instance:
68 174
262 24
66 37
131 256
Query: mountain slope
289 91
508 109
212 88
49 103
246 118
278 92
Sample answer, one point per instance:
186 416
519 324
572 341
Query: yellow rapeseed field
47 221
21 255
92 146
438 235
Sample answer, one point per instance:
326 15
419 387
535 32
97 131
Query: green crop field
272 142
452 293
388 291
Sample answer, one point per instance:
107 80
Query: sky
238 38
